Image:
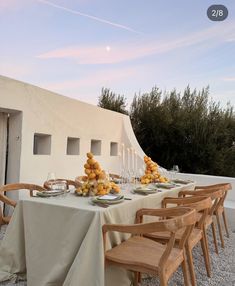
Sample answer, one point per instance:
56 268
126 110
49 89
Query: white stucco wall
61 117
204 180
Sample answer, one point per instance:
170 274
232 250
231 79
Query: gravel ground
222 265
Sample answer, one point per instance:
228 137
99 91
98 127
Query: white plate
165 185
145 190
182 182
99 200
53 193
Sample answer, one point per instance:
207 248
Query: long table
58 241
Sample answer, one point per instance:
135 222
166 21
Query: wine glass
175 170
51 179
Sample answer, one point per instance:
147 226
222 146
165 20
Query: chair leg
225 223
136 276
163 280
139 277
220 230
191 266
214 237
185 271
206 255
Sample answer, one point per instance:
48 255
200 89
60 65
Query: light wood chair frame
184 217
220 210
202 206
9 201
217 197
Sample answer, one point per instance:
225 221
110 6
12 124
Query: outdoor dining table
58 241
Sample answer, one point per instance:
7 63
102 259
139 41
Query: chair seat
194 237
144 253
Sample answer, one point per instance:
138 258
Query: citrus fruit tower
95 182
152 173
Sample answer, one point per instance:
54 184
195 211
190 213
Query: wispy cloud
228 78
98 54
88 88
101 78
117 25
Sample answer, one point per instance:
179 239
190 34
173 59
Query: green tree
188 130
112 101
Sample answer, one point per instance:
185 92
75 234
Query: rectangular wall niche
96 147
113 149
73 146
42 144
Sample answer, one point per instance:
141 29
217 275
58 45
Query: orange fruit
89 155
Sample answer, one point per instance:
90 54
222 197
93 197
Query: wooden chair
47 184
1 216
217 197
220 210
79 180
198 234
11 202
142 255
114 176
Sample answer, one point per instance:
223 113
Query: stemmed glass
175 170
51 179
123 177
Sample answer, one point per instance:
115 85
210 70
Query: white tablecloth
59 240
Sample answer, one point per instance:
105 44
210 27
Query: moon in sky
107 48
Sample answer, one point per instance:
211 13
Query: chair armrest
7 200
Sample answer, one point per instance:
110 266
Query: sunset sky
76 47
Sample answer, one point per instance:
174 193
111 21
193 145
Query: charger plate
52 193
145 190
165 185
108 199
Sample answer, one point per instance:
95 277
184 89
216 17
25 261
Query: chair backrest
114 176
47 184
221 186
217 196
181 218
15 187
80 180
202 204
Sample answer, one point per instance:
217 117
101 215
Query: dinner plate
52 193
183 182
106 199
145 190
165 185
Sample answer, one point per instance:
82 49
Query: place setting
107 200
53 187
144 190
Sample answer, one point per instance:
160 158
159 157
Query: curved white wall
61 117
